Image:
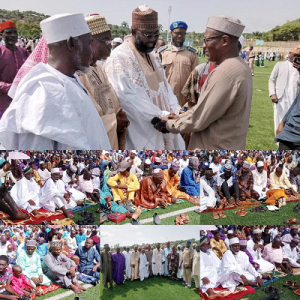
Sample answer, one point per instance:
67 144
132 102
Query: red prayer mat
47 289
239 292
46 216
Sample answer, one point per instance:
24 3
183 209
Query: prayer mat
45 216
297 292
79 208
277 274
247 203
266 282
47 289
296 271
65 221
179 201
239 292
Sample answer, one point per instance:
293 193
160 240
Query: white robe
232 267
209 200
180 271
76 195
264 265
52 196
137 99
157 262
44 174
260 182
25 190
144 267
127 261
52 111
292 255
209 266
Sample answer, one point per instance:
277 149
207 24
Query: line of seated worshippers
36 256
242 255
228 180
181 262
114 180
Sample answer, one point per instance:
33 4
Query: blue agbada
42 250
186 181
86 261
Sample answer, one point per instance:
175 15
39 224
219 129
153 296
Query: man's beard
78 61
140 46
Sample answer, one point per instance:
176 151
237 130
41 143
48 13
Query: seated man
245 180
42 248
26 192
287 238
71 242
60 269
211 180
43 171
227 187
87 256
172 180
207 202
235 268
218 245
86 185
291 253
279 180
70 181
146 168
273 253
188 179
124 185
30 262
209 266
153 191
295 178
158 163
255 247
243 247
54 195
260 180
36 175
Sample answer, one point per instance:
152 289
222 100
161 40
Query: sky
138 234
257 15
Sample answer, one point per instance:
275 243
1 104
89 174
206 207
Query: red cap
7 24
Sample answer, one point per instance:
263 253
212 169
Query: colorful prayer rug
45 216
47 289
239 292
79 208
277 274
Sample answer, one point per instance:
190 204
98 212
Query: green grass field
168 221
150 289
261 127
288 294
266 218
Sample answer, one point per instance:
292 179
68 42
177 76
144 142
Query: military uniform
178 64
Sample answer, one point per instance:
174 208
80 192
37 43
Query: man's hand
72 271
173 199
280 127
14 297
264 189
95 269
31 202
274 98
205 281
108 198
256 246
35 280
162 127
262 247
122 121
122 186
27 294
259 281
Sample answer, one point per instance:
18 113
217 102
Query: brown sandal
291 221
215 215
185 218
222 215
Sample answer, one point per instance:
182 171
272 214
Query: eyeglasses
149 36
207 40
106 42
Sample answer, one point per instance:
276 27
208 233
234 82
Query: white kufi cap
234 240
55 170
63 26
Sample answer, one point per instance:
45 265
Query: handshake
160 124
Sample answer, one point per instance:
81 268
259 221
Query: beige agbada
106 103
135 260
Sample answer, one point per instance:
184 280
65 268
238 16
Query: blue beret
178 24
205 165
188 242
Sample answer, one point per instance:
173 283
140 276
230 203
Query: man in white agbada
206 201
127 255
51 109
54 195
141 85
290 252
209 266
235 268
70 181
167 250
26 192
256 247
71 241
284 85
144 266
158 261
260 180
43 171
180 269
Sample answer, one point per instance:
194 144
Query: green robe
106 267
31 266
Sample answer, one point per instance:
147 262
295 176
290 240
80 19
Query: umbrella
208 227
17 155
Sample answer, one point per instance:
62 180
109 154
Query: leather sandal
222 215
215 215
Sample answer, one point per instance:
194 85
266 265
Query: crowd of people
33 256
243 255
60 180
232 177
181 262
170 106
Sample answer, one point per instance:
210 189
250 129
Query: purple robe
10 64
118 264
